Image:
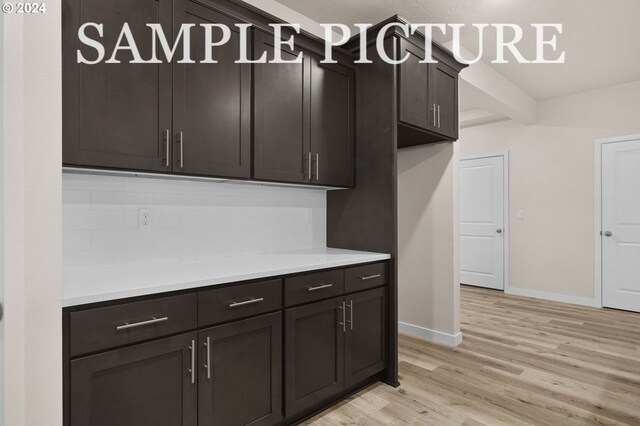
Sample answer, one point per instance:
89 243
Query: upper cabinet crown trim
440 52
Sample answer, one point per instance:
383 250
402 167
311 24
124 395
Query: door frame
505 207
599 144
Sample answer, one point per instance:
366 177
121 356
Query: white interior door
621 225
482 222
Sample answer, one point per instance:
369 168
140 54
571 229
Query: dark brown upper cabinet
240 377
170 117
199 118
281 115
142 385
332 124
211 102
427 97
303 119
415 107
116 115
444 90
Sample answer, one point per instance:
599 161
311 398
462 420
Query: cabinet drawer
244 300
103 328
311 287
367 276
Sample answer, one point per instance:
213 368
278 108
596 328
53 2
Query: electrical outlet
144 218
520 215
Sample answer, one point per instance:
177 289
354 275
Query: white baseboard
555 297
431 335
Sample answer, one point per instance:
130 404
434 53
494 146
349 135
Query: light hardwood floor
522 361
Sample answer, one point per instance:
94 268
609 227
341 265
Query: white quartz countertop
102 284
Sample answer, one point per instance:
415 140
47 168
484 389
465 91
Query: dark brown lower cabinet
259 365
365 342
332 345
148 384
314 353
240 373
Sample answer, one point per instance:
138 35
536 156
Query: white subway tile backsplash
76 199
190 220
76 240
119 200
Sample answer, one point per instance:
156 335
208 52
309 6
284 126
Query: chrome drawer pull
153 320
370 277
246 302
319 287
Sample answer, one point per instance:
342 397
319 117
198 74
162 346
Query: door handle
181 151
207 344
192 370
434 116
608 234
344 317
499 230
168 141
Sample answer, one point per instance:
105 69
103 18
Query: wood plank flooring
522 362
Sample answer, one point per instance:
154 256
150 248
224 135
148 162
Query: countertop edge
75 301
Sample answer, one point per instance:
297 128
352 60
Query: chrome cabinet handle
168 141
246 302
370 277
309 166
438 116
153 320
608 234
319 287
207 344
434 115
192 370
181 151
344 318
317 166
350 305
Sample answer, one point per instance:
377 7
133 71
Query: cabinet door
365 344
281 115
332 123
314 353
415 107
212 102
116 115
240 377
444 88
148 384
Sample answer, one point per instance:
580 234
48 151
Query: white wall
32 217
428 289
552 181
190 219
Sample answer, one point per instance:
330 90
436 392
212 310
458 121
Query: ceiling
601 38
